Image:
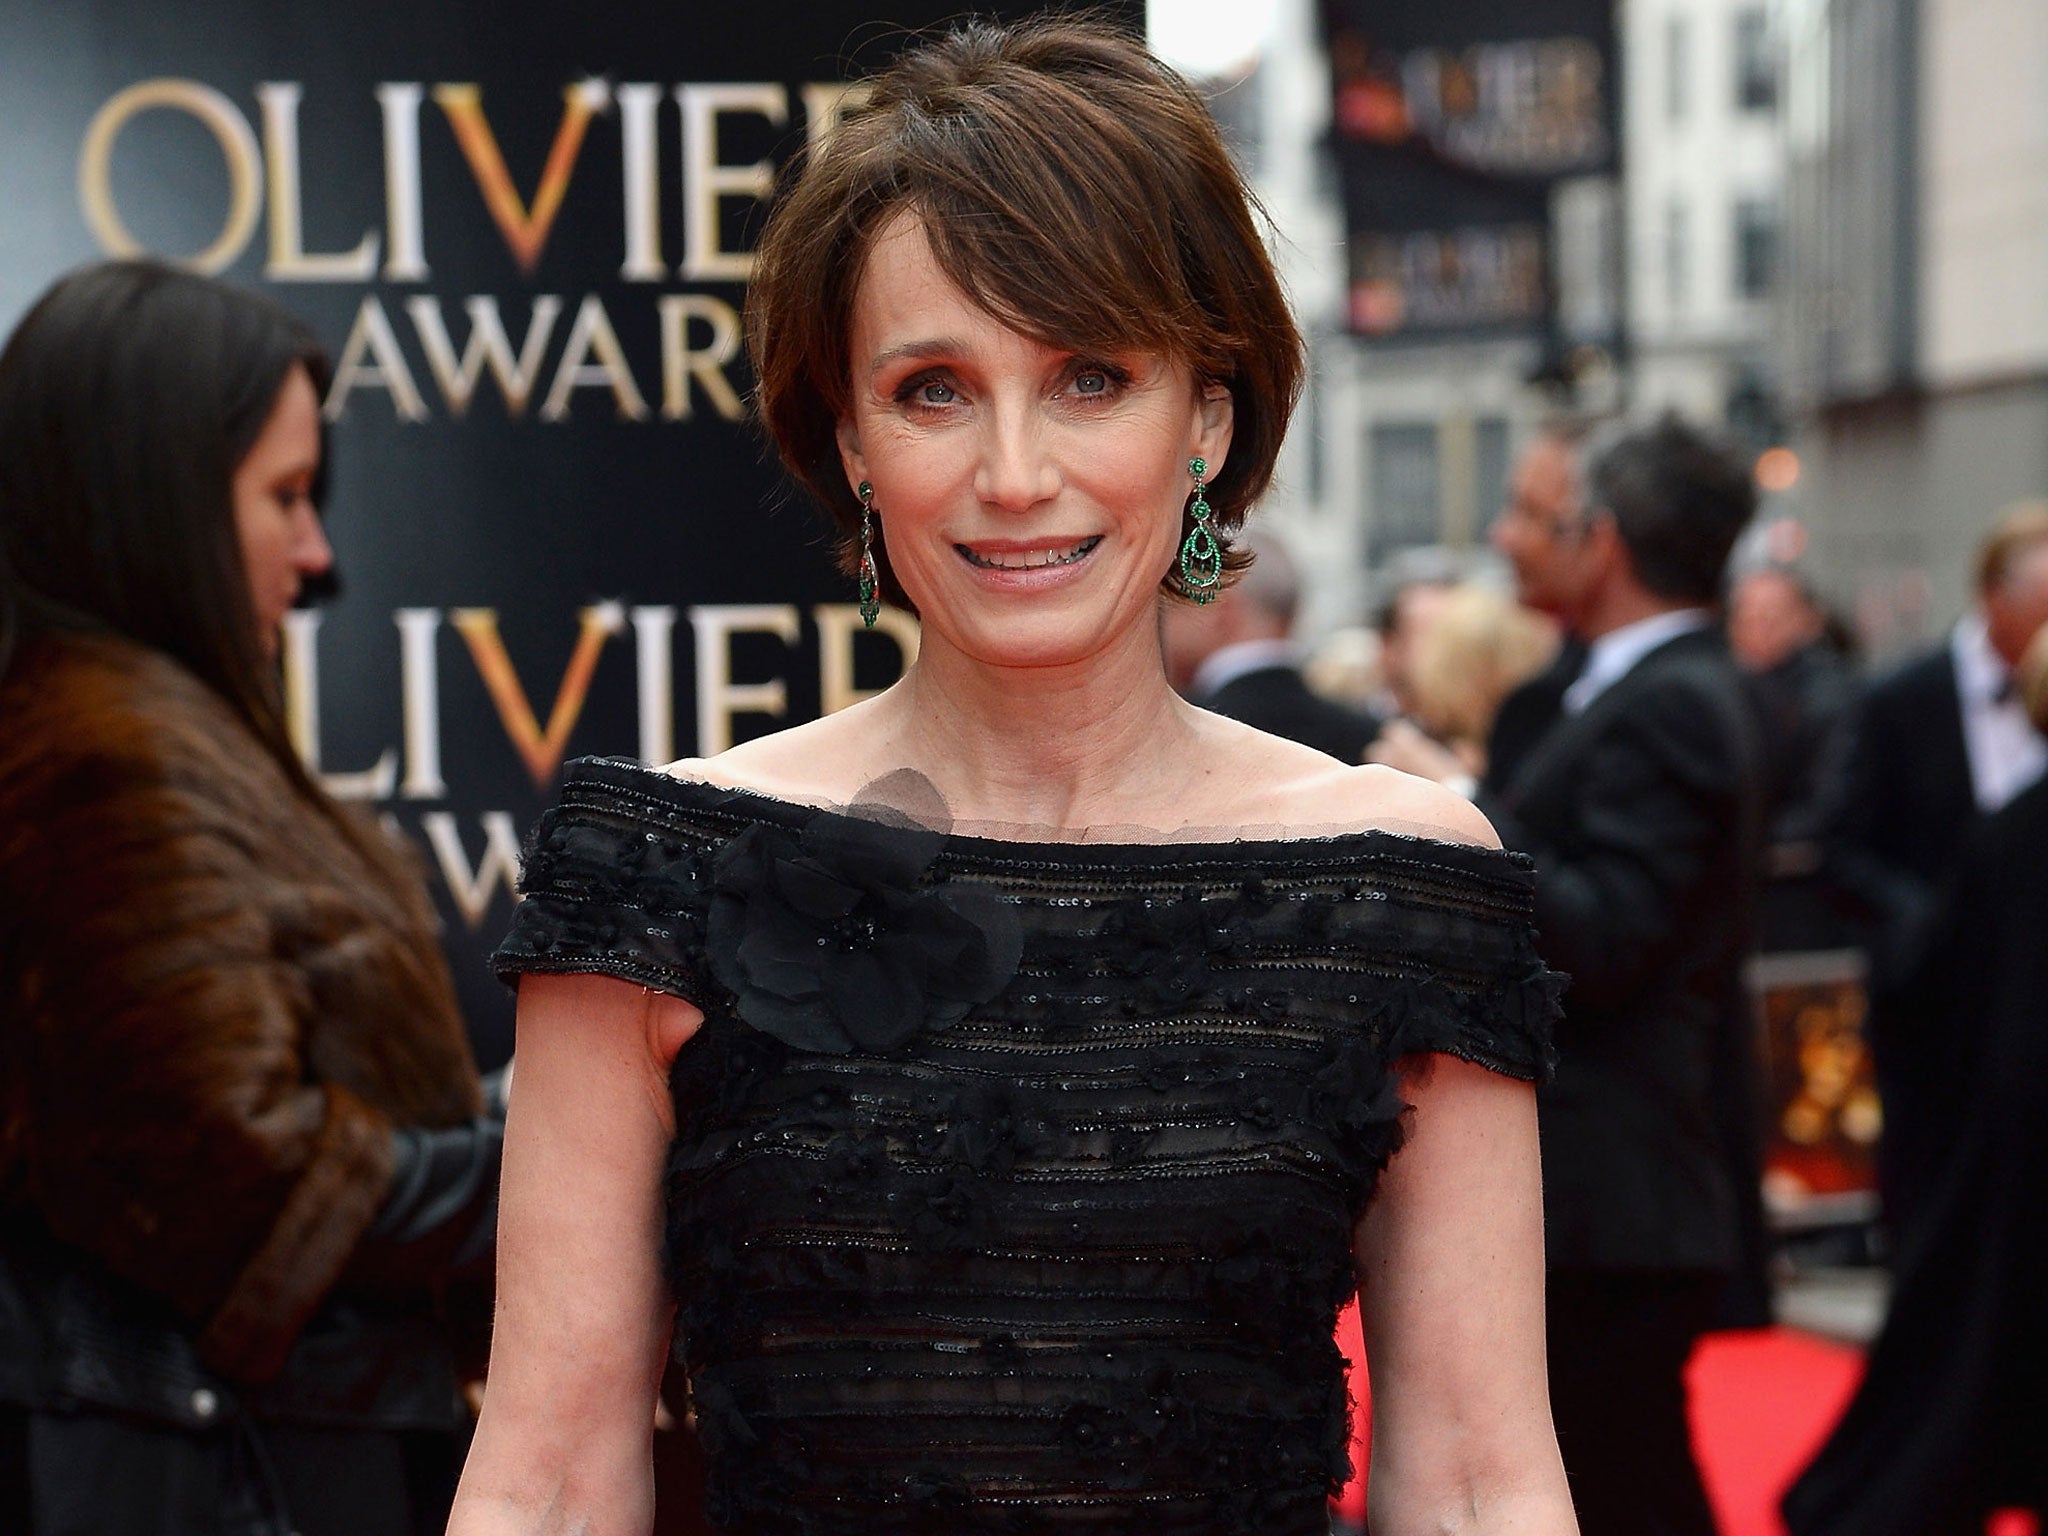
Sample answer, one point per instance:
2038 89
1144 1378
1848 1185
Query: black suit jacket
1275 699
1905 804
1529 713
1644 817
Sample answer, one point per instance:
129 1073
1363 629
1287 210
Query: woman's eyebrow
937 345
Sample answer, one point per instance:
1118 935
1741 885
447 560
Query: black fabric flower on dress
831 940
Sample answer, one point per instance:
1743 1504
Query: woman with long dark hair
244 1160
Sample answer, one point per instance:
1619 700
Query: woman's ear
1215 416
850 456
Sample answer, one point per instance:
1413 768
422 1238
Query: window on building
1756 66
1756 246
1406 494
1491 478
1677 68
1677 254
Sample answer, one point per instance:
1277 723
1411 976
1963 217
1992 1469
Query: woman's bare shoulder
818 763
1370 795
1302 790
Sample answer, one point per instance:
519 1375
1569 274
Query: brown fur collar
216 998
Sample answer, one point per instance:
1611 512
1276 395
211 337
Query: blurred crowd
1678 728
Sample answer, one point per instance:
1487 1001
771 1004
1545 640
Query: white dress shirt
1614 655
2006 753
1226 664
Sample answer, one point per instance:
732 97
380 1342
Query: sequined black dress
1014 1183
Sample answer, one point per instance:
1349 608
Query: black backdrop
604 515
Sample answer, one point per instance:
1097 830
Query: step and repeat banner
523 231
1478 149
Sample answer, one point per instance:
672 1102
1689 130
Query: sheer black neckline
1166 848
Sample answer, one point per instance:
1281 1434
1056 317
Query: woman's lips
1035 558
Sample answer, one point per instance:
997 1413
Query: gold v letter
541 752
526 233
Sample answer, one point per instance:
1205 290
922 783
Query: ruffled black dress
1014 1183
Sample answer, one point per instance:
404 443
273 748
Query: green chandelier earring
870 578
1201 554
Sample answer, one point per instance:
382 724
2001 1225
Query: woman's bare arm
1450 1265
583 1314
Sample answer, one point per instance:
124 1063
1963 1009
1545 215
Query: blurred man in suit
1935 744
1802 681
1236 656
1781 634
1640 801
1545 491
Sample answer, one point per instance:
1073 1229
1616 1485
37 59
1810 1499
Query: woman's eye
1094 380
935 392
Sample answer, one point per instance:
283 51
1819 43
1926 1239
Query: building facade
1704 176
1913 336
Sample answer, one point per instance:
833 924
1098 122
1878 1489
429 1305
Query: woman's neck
1099 741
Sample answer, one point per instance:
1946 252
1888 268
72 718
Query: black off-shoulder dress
1014 1183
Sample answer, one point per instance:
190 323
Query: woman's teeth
1029 559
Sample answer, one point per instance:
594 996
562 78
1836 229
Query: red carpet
1763 1402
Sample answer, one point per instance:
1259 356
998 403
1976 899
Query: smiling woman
1090 207
1001 466
997 1083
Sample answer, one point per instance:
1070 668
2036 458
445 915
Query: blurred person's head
2032 677
1663 507
1413 587
1479 648
2012 578
1058 180
1404 625
1771 614
1541 528
1260 605
161 461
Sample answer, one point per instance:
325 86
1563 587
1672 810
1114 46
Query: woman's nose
311 553
1017 471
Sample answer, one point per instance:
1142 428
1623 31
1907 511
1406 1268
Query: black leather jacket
74 1337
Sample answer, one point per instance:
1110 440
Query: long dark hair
128 396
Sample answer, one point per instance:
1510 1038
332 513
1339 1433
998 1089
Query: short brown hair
2018 528
1071 185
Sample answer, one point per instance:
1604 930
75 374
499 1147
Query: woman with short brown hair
1027 1050
1016 215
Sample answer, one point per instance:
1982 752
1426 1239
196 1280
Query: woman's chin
1035 635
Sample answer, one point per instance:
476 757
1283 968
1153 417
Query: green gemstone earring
870 578
1201 555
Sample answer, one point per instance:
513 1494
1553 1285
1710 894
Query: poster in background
1822 1114
1466 137
523 232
